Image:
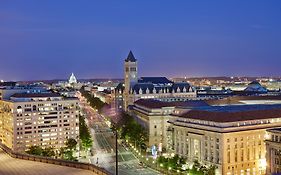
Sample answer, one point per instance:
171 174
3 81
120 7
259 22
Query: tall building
152 87
131 75
43 119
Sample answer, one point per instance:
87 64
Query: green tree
95 102
71 143
38 151
35 150
68 155
85 135
129 129
211 170
48 152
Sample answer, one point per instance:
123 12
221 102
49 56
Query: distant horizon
58 79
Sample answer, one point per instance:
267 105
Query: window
196 147
133 69
228 156
19 109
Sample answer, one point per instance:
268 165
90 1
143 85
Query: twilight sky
50 39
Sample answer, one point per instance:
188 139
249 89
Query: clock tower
131 76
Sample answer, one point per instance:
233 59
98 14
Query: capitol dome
72 79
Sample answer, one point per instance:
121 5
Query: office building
43 119
230 137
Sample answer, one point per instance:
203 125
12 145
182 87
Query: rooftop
154 80
154 104
241 99
34 95
130 57
234 113
274 130
13 166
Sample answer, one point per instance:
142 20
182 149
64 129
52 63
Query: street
103 152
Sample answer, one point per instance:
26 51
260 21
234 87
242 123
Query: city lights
141 87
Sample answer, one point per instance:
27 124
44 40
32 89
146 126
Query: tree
84 134
68 155
71 143
38 151
48 152
95 102
35 150
131 130
211 170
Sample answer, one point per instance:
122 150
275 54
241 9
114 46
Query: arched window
19 109
34 107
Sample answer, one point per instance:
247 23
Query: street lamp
116 151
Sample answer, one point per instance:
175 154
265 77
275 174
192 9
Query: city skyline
50 40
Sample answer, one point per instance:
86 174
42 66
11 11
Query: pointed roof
131 57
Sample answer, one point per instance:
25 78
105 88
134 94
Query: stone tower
131 76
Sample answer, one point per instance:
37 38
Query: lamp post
116 151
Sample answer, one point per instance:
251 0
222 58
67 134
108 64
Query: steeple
131 57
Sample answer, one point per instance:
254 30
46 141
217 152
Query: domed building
255 87
72 79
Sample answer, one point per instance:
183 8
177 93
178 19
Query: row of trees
130 130
85 135
65 152
199 169
39 151
95 102
176 163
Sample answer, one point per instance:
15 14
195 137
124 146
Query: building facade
153 116
273 151
232 139
42 119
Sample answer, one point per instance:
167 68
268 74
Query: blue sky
50 39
